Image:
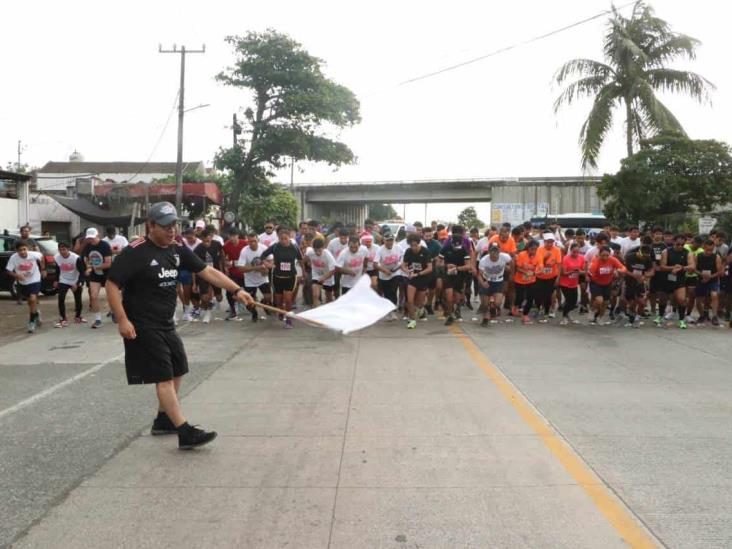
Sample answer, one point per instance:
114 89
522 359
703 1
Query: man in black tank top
676 262
709 268
657 287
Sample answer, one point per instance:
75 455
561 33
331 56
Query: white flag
359 308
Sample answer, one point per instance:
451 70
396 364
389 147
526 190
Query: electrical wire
503 49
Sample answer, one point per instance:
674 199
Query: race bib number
527 276
285 266
573 275
707 273
658 257
637 272
416 267
605 270
547 270
672 278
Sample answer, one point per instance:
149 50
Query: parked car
46 245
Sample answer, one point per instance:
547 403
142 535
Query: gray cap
162 213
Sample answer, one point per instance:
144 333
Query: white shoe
689 319
262 316
669 316
187 316
206 317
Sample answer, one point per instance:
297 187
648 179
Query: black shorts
27 290
99 279
601 291
419 282
283 284
252 290
634 291
154 356
658 283
372 272
691 282
673 285
455 282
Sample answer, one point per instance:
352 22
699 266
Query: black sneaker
429 309
190 436
484 323
449 320
163 426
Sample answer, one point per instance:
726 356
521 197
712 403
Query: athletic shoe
61 323
405 317
458 314
658 320
206 317
97 323
187 316
80 320
682 325
31 326
552 314
526 319
231 316
422 313
689 319
288 323
669 316
255 316
715 321
449 320
583 310
564 321
484 323
593 322
429 309
262 316
190 436
411 325
163 426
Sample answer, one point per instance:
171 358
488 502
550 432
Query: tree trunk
629 125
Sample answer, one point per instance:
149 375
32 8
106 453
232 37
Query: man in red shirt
232 250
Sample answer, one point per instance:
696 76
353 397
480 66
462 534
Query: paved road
510 436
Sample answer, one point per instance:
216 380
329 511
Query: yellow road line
604 500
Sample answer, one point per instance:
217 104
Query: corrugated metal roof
116 167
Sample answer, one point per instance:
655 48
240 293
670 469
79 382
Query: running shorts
419 282
373 272
455 282
598 290
99 279
154 356
252 290
185 277
493 288
704 289
692 281
27 290
634 290
673 285
658 283
283 284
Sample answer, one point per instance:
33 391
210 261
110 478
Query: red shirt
232 253
570 264
602 272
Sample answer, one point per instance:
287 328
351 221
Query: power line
505 49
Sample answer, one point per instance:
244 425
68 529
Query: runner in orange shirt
603 271
525 280
549 261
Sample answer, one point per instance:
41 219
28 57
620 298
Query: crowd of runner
502 274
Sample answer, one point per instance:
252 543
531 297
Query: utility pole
181 110
20 151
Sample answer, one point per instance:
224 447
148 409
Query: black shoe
255 316
449 320
484 323
190 436
429 309
458 313
163 426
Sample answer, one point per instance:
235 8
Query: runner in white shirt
322 268
70 266
116 241
492 269
367 240
630 242
28 267
351 263
336 247
269 236
256 274
388 263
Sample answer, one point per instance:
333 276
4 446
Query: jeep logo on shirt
168 273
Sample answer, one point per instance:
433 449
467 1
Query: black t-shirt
455 256
284 259
149 276
210 255
658 248
417 261
637 263
95 254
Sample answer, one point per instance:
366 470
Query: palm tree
636 52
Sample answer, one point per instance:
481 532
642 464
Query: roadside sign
706 224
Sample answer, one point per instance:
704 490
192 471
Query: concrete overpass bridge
512 199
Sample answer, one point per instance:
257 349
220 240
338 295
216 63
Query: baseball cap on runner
200 224
388 236
162 213
91 232
548 236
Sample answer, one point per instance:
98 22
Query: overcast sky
88 76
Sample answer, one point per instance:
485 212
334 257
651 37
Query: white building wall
44 208
9 214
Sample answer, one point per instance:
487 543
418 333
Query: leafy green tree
637 50
295 110
380 212
670 178
468 218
